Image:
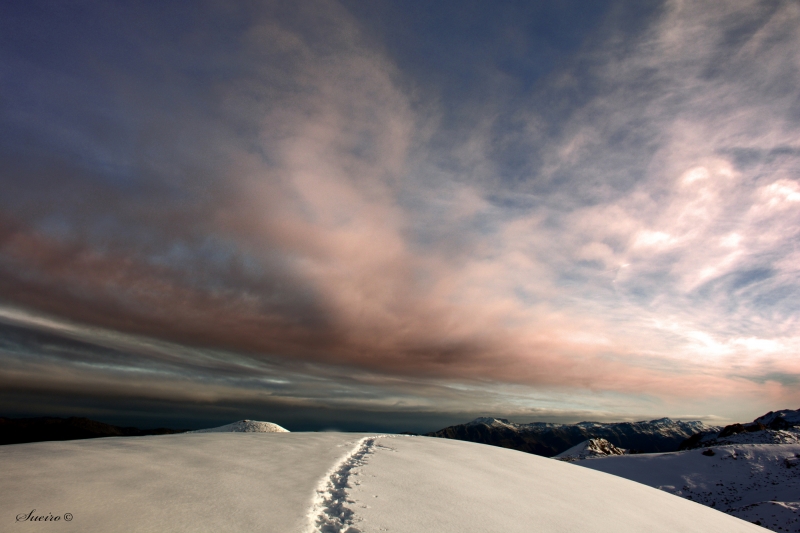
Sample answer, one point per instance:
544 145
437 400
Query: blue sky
398 215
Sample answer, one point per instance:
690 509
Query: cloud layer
612 231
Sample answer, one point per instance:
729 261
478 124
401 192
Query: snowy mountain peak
590 449
783 419
694 424
491 421
245 426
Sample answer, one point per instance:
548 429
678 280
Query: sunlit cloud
296 205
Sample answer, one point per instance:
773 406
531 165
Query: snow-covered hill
590 449
245 426
540 438
323 482
756 482
747 470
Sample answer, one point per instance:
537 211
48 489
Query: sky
399 215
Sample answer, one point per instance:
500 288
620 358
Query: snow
178 483
331 511
756 482
245 426
309 482
418 484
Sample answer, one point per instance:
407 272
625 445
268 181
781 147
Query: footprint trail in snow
330 512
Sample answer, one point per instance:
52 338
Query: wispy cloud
285 191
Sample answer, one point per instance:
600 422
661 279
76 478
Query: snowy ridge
245 426
492 422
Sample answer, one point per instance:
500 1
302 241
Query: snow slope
245 426
303 482
756 482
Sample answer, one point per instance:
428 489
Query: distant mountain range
20 430
548 440
775 427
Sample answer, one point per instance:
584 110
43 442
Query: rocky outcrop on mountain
590 449
779 427
735 429
547 439
21 430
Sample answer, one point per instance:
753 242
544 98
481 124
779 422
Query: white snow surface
245 426
755 482
324 482
169 483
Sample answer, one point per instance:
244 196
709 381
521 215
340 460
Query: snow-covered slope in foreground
245 426
295 482
755 482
